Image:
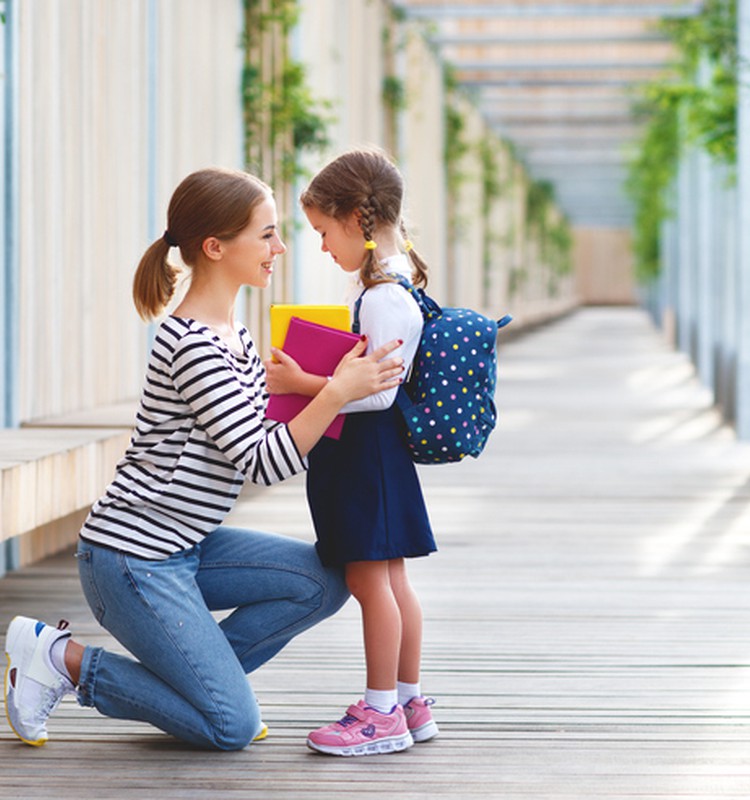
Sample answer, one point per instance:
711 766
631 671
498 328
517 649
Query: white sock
408 691
57 656
381 700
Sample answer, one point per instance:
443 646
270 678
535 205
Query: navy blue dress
364 493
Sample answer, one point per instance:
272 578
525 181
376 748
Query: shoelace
347 720
51 700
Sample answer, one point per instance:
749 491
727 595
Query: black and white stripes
200 432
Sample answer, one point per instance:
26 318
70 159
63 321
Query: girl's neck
387 240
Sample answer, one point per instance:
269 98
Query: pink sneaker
419 719
363 731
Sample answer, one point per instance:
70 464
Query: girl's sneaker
33 687
363 731
419 719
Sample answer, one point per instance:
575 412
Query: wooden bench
50 474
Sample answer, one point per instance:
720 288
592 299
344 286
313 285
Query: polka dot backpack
448 400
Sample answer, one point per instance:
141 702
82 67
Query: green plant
695 105
540 199
455 144
282 118
651 172
560 246
709 65
393 93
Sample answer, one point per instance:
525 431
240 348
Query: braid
371 272
419 275
368 217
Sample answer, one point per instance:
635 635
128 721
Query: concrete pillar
743 199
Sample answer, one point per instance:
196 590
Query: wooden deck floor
587 616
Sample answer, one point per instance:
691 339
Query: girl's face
341 238
249 257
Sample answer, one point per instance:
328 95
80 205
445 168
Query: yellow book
332 316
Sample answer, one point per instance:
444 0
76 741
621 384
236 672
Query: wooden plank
586 617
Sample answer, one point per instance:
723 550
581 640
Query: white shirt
387 312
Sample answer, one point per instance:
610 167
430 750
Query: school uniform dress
363 489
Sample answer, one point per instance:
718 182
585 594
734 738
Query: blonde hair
367 183
210 202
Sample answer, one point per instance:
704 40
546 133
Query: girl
363 490
153 558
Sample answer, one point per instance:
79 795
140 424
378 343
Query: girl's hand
283 373
358 376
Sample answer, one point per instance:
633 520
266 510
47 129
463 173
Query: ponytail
155 280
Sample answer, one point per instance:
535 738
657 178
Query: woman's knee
237 726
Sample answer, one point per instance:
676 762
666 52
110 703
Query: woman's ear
212 248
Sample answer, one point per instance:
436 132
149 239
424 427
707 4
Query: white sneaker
33 687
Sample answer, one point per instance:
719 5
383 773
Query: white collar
400 264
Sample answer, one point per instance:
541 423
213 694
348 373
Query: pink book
317 349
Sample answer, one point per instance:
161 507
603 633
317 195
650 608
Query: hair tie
408 246
169 239
370 245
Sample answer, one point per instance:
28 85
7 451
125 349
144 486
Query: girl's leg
370 584
411 622
187 680
417 708
377 724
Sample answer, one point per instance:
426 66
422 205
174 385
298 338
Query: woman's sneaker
419 719
33 687
363 731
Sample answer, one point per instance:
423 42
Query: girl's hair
365 182
211 202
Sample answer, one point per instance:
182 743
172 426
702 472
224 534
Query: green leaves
695 106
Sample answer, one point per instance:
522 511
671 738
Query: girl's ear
354 222
212 248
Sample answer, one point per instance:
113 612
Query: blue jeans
190 676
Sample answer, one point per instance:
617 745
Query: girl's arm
285 376
353 379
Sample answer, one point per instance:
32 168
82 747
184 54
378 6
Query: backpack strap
429 307
357 304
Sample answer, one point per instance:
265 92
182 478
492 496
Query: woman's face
249 256
341 238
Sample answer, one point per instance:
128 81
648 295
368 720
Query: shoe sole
9 642
391 744
262 734
425 732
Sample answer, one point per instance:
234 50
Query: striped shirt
200 433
